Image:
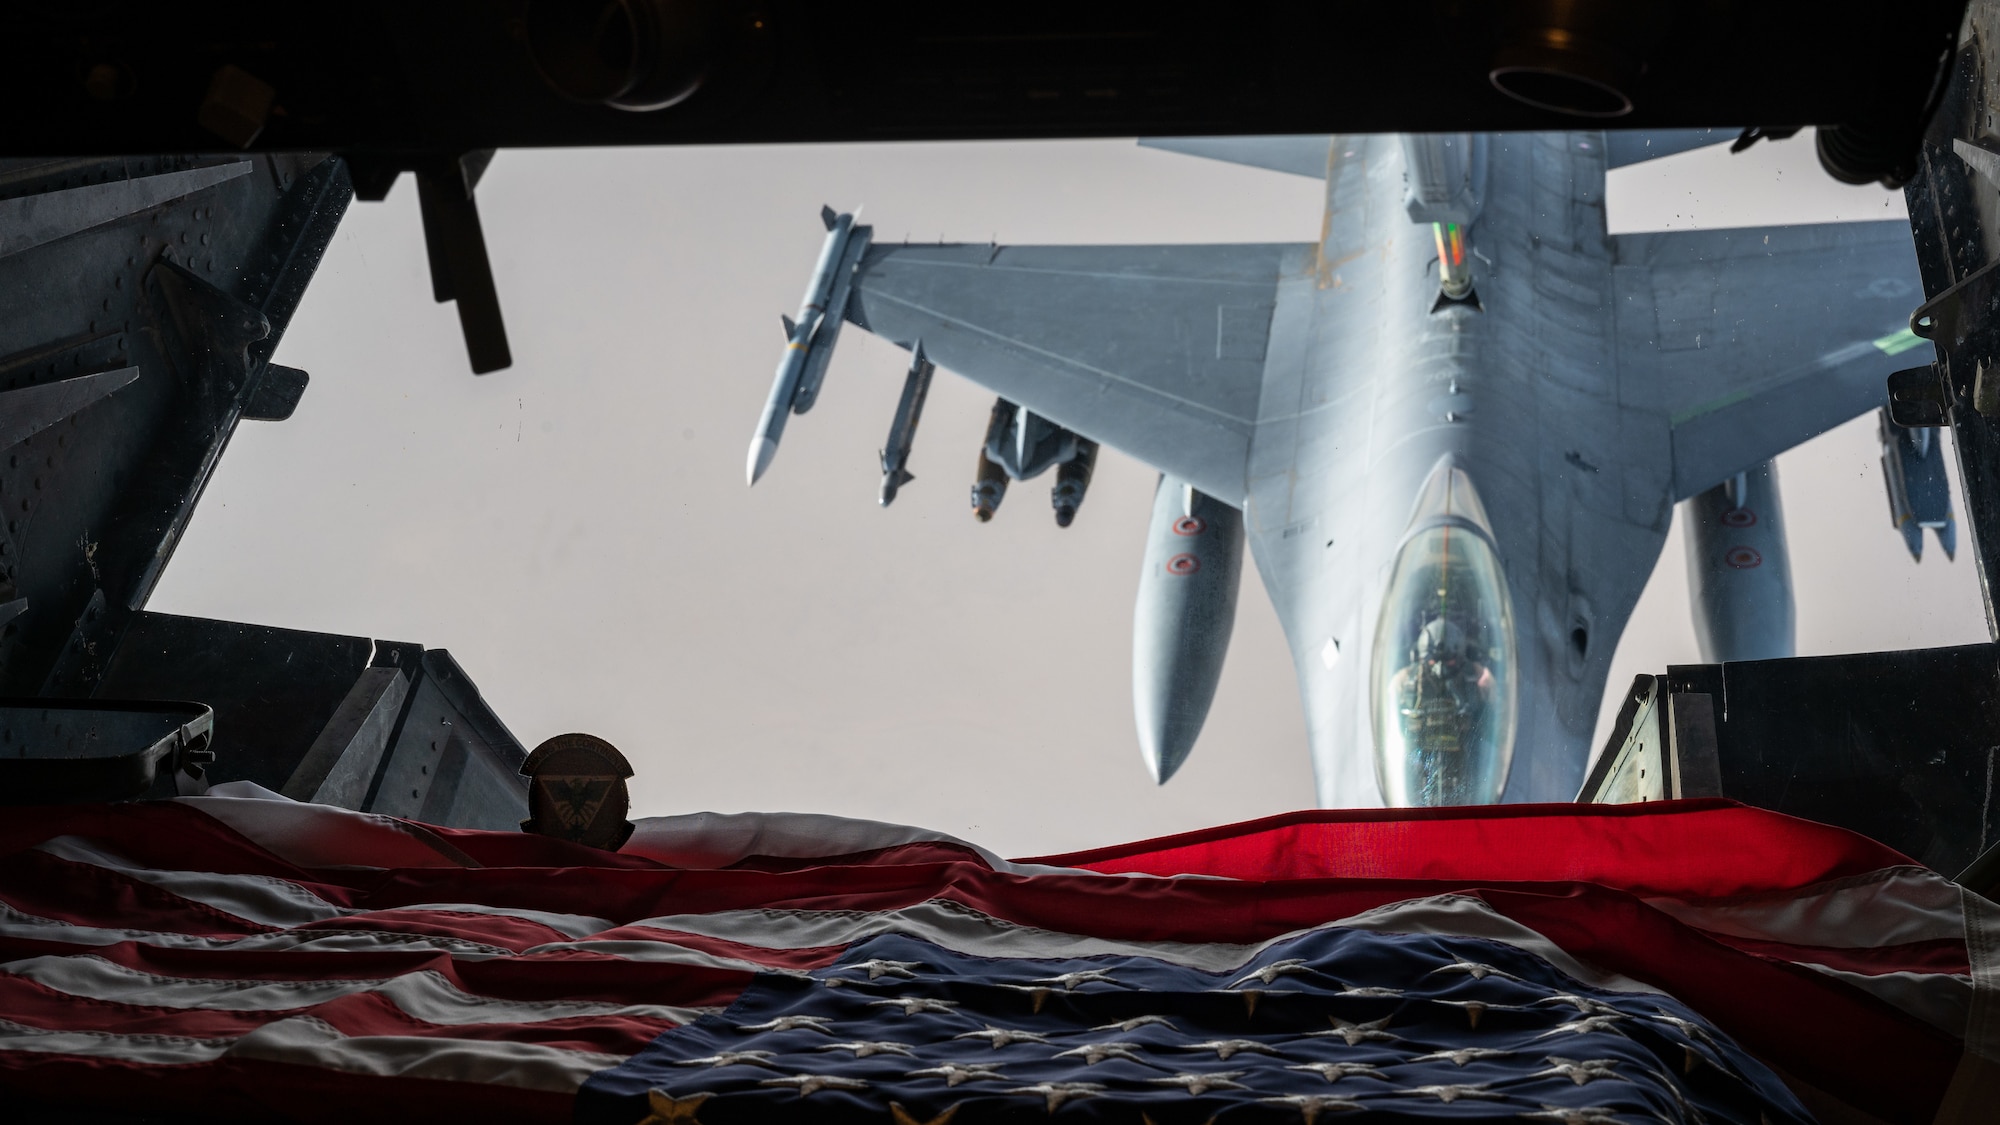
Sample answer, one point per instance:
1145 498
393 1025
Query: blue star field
1335 1023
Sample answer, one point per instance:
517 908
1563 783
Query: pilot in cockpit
1443 690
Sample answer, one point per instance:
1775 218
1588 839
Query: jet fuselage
1371 386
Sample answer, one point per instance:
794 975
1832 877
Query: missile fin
791 326
828 216
892 482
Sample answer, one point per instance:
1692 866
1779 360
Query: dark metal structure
143 296
433 88
1900 746
143 299
452 76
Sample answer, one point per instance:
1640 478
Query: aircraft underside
1452 432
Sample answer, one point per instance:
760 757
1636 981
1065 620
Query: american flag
242 957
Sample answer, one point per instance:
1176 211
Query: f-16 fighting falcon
1453 430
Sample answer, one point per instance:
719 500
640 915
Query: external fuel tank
1739 573
1185 613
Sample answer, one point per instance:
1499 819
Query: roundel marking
1190 525
1183 565
1739 517
1743 558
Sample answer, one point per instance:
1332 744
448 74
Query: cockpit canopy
1443 681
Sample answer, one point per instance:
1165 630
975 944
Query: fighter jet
1453 430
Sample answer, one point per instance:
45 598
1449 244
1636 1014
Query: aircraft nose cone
762 449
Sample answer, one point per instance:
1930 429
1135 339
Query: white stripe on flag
529 1066
426 995
573 925
1458 915
1893 906
1975 1084
964 930
143 1050
662 952
321 835
304 1041
1938 999
942 922
19 924
254 898
708 840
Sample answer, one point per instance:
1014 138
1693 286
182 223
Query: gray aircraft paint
1599 380
1182 619
1739 570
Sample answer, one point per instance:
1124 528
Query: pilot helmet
1441 641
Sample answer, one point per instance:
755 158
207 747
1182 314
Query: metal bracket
1951 317
461 272
1917 397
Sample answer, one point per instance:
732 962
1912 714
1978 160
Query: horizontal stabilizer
1753 340
1630 146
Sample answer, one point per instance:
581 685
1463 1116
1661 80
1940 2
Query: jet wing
1157 351
1300 155
1754 340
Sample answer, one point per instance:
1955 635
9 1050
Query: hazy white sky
577 532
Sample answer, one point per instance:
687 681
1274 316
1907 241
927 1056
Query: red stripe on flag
84 894
1801 1020
1943 956
135 828
556 975
36 1005
1570 873
1709 848
502 930
359 1014
255 1090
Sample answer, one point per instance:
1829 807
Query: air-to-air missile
1185 613
903 430
1919 492
1738 568
809 340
